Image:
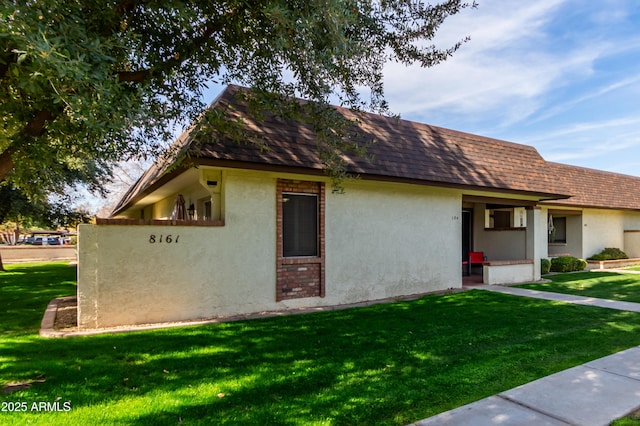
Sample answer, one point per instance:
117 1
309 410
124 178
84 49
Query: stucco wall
509 274
602 228
382 240
124 278
386 240
632 243
497 244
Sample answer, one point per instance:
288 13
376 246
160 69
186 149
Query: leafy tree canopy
17 208
85 82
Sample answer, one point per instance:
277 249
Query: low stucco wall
12 254
508 272
601 229
382 240
611 264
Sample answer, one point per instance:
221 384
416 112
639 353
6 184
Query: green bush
567 264
610 253
545 266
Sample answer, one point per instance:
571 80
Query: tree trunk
6 163
1 265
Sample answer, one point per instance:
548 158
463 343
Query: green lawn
603 285
386 364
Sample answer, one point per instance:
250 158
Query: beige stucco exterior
497 244
382 240
632 243
590 230
498 273
602 228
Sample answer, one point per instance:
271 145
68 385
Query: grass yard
385 364
603 285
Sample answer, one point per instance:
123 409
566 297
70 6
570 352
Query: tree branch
182 55
6 162
134 76
36 126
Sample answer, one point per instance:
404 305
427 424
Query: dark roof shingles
596 188
402 150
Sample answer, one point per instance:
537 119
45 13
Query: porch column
536 238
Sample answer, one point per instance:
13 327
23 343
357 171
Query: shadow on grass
602 285
384 364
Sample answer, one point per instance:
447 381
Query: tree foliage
18 211
16 207
85 82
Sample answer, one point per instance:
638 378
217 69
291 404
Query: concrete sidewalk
595 393
567 298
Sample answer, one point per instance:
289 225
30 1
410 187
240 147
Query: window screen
299 225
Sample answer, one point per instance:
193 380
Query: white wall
510 274
385 240
382 240
125 279
602 228
632 244
497 244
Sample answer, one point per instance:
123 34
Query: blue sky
561 75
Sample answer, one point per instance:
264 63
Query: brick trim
299 277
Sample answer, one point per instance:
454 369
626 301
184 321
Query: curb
49 319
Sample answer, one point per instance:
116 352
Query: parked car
54 241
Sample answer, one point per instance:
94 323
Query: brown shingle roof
596 188
403 151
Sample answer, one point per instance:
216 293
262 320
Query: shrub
545 266
610 253
567 264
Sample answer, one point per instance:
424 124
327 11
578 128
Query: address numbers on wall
168 239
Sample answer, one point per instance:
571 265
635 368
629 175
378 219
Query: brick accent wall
298 277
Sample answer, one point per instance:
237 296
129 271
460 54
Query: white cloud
511 66
499 66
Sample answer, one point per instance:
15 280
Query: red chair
475 258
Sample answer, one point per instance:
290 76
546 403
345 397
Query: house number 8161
163 238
